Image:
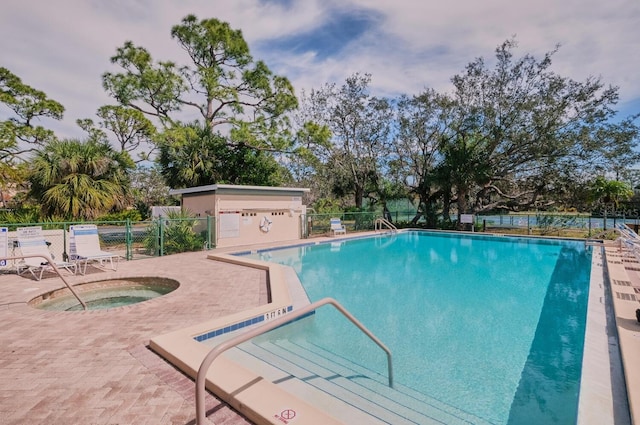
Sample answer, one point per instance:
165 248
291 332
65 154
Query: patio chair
627 233
31 241
84 245
337 227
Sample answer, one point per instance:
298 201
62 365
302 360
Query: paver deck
94 367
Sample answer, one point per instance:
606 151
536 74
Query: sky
63 47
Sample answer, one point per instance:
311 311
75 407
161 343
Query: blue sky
63 47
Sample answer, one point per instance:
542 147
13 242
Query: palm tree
80 180
462 166
609 192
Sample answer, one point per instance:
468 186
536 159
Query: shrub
178 234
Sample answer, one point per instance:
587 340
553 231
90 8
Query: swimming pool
493 326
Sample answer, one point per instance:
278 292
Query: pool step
399 393
347 387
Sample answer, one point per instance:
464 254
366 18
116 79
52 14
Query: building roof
235 188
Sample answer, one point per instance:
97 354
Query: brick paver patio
94 367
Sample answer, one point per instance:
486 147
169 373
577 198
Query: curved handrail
57 270
224 346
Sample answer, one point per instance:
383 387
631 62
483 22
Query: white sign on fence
4 245
466 218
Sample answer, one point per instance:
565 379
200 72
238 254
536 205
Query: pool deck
623 269
96 368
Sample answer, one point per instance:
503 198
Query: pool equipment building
248 214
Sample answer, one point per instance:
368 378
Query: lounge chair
627 233
32 242
337 227
84 245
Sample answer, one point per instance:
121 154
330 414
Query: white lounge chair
32 242
84 245
337 227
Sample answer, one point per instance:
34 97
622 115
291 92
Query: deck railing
380 223
55 268
224 346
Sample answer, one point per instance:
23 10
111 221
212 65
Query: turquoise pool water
491 325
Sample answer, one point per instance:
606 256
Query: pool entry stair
348 391
249 334
381 223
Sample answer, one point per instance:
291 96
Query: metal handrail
57 270
224 346
384 221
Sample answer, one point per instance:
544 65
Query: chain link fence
165 236
319 224
545 224
542 224
130 240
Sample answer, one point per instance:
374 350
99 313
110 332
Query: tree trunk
462 205
359 196
446 207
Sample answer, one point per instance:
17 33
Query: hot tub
105 294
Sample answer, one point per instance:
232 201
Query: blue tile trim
242 253
288 246
244 323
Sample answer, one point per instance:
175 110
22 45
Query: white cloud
63 47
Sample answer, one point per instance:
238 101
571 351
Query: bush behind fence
544 224
130 240
164 236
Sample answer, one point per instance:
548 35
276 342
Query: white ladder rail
55 268
201 377
380 222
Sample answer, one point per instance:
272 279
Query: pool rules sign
4 245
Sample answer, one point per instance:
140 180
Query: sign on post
467 219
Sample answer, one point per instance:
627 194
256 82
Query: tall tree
534 124
77 180
240 99
360 126
133 131
512 137
424 122
194 155
20 134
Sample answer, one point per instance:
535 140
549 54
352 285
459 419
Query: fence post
128 239
208 231
65 254
528 224
158 225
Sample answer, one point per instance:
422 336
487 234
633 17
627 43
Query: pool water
491 325
111 299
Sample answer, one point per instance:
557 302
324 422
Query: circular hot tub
106 294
